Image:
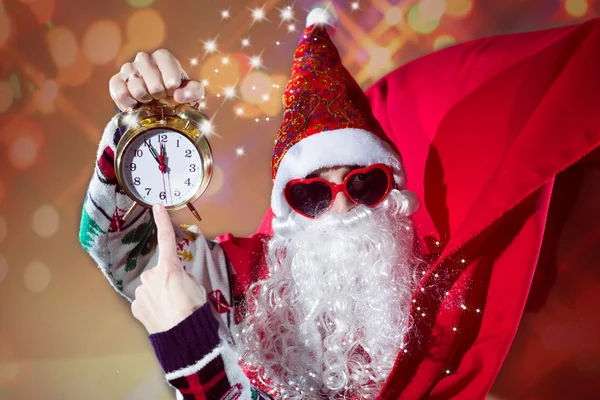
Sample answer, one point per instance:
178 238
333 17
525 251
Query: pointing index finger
167 248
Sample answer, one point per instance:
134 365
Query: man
331 317
292 341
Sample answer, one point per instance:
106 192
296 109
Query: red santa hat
327 118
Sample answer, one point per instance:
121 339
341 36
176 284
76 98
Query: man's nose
342 203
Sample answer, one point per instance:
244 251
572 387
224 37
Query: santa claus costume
484 128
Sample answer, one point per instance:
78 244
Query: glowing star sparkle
229 92
355 6
129 120
255 61
291 28
239 152
204 82
210 46
286 14
194 61
239 111
206 127
225 14
245 42
258 14
225 60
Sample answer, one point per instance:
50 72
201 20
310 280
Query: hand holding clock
168 294
153 77
144 145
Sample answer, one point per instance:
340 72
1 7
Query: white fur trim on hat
325 149
322 16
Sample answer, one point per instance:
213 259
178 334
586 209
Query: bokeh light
245 110
380 58
102 41
254 86
63 46
140 3
274 105
25 139
146 28
45 221
3 268
216 182
576 8
36 276
3 229
459 8
229 73
42 9
432 10
44 97
23 151
5 27
442 41
393 16
6 96
419 22
77 73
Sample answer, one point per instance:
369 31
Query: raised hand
153 77
167 294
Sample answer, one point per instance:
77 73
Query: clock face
162 166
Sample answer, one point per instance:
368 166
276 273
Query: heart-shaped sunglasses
313 196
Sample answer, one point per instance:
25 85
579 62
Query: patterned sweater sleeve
200 365
123 249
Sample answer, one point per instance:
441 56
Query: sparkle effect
286 14
255 61
258 14
210 46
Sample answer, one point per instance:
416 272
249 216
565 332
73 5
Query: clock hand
154 153
161 159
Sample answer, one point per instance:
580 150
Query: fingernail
156 207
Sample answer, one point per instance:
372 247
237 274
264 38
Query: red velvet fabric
483 128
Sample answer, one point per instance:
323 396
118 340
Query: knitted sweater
196 354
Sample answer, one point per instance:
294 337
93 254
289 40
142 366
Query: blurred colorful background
64 333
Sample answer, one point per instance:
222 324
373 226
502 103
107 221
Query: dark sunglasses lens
368 188
310 198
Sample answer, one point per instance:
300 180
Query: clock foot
193 210
128 213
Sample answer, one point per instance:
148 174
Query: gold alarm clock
163 156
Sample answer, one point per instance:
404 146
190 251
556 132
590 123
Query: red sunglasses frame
341 187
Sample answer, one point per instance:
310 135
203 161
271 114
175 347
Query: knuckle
138 92
128 66
155 89
173 83
121 95
142 56
162 53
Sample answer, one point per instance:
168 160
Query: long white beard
331 317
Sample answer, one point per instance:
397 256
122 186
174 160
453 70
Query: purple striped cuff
187 342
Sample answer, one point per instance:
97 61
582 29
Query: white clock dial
181 163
